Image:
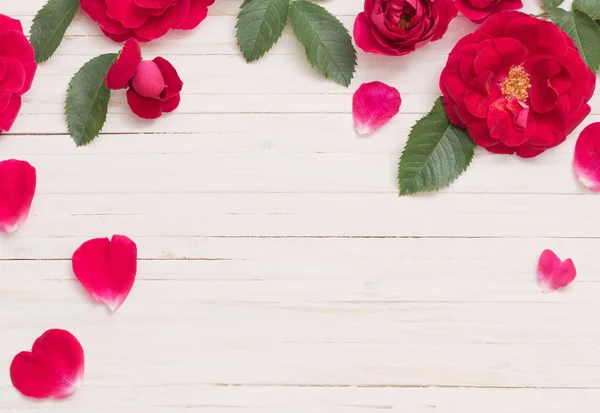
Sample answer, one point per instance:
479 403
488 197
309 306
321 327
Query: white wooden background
279 271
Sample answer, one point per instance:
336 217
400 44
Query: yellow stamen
517 84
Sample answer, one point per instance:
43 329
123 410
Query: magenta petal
107 268
553 273
17 188
52 369
586 162
373 105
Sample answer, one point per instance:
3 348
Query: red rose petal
107 268
171 104
123 70
198 12
52 369
586 162
553 273
373 105
17 188
14 45
172 80
14 80
172 18
10 113
8 23
126 12
146 108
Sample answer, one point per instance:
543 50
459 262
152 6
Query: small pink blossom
373 105
586 162
553 273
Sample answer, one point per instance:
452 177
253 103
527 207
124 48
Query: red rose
153 85
479 10
17 69
517 84
397 27
145 20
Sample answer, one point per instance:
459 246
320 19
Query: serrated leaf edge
69 90
35 21
403 192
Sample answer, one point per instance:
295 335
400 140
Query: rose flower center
404 21
517 83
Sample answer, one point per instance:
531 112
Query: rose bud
586 162
153 86
398 27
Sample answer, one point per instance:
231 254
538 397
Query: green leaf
551 4
87 99
589 7
436 153
327 42
584 32
49 27
259 26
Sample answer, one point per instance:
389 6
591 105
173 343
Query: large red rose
17 69
145 20
479 10
517 84
398 27
153 86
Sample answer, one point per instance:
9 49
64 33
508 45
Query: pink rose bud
586 162
148 80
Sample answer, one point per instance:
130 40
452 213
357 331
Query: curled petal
586 162
148 80
107 268
553 273
172 80
373 105
123 70
17 188
198 12
52 369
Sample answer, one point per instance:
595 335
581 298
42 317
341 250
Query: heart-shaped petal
52 369
553 273
17 188
586 162
107 268
373 105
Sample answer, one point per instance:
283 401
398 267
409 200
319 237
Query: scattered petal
107 268
53 368
373 105
586 162
17 188
553 273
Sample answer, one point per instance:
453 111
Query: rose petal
158 26
173 81
17 188
10 113
107 268
553 273
8 23
373 105
145 108
127 13
198 12
586 162
121 72
52 369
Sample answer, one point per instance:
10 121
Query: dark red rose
145 20
479 10
517 84
397 27
17 69
153 86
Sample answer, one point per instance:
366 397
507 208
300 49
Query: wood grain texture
279 271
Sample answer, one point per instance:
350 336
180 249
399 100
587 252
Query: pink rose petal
553 273
17 188
373 105
52 369
586 162
107 268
